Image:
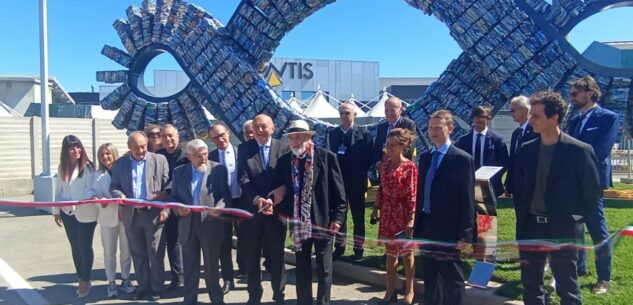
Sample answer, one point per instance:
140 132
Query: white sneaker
112 290
126 285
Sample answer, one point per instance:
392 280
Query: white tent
295 103
379 109
359 112
319 107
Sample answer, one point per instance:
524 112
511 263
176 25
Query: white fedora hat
299 126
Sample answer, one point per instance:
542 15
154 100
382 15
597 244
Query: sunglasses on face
345 113
153 134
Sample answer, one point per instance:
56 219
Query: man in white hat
311 194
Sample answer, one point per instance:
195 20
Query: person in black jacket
256 161
445 212
393 119
485 146
312 196
519 110
556 186
351 144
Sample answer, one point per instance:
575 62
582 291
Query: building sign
291 70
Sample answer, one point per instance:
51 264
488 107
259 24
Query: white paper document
485 173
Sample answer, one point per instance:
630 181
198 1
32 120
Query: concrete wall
21 153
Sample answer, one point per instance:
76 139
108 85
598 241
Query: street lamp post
45 182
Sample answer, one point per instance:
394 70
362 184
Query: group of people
554 177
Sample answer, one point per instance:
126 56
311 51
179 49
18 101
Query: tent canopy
359 112
319 107
378 111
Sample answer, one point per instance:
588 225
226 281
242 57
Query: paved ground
36 268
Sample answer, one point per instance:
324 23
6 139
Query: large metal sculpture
510 47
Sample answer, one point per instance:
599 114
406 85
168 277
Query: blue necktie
426 207
262 151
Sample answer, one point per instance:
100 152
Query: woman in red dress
396 200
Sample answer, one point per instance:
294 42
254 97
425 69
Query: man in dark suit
519 110
393 119
176 156
351 144
485 146
556 187
599 128
226 154
201 183
312 195
256 161
445 212
143 175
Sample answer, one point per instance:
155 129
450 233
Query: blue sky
406 42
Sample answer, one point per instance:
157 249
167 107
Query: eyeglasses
153 134
574 93
345 113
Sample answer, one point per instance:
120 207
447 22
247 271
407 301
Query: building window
307 94
286 95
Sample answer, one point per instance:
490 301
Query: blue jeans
597 226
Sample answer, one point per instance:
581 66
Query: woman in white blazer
74 179
112 229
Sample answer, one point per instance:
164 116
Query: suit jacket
179 158
214 192
214 155
381 137
515 145
452 198
156 176
255 180
573 187
495 154
600 131
357 156
328 192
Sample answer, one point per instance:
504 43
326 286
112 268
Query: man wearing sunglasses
599 128
352 144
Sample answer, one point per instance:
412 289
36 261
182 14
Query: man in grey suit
201 183
143 175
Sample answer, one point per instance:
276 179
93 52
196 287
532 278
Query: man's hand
461 245
335 226
182 212
58 220
265 206
164 214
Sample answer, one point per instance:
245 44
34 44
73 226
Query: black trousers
174 251
274 231
356 202
442 273
323 252
562 262
206 237
80 237
226 260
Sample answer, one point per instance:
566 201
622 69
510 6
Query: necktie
426 207
519 141
478 151
262 151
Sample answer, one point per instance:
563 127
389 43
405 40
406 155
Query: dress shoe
601 287
338 252
153 296
358 256
174 284
141 295
228 286
241 274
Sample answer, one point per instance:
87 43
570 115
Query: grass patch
619 213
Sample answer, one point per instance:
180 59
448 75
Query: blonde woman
74 178
112 229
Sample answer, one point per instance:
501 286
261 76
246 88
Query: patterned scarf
302 229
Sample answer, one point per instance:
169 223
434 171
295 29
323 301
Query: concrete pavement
37 251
